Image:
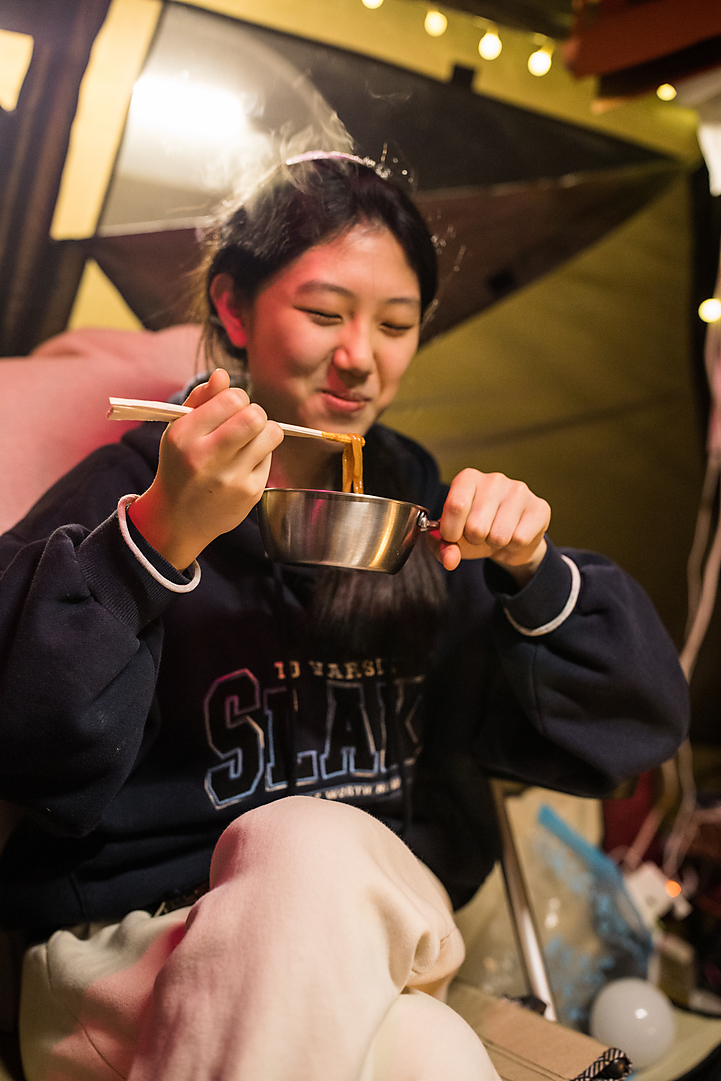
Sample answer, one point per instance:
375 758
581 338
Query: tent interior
576 240
563 349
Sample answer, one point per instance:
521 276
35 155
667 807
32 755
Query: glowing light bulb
490 44
372 4
435 23
666 92
539 63
673 889
710 310
634 1015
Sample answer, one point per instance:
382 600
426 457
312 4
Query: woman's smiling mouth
345 402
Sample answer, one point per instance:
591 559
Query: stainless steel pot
339 529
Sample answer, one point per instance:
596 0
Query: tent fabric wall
581 385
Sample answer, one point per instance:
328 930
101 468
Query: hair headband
324 155
339 155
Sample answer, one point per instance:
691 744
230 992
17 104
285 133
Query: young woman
163 684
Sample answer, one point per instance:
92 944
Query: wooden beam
636 34
35 144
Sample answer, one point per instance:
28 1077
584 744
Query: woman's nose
354 353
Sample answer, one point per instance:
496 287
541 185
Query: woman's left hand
488 515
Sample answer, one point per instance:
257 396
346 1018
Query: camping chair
52 414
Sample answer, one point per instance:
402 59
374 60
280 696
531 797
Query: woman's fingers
227 413
220 427
447 554
216 432
214 404
242 427
487 514
458 504
217 464
217 381
211 410
242 447
509 526
214 464
471 511
450 555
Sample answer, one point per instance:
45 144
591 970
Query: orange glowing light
672 888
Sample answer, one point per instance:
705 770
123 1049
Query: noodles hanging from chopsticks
352 460
137 409
353 465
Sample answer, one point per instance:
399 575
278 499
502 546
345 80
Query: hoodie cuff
545 602
117 580
155 564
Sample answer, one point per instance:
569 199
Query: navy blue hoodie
135 722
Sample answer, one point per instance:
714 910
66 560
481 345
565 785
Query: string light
710 310
666 92
372 4
435 23
539 62
490 44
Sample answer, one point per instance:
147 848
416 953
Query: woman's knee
296 830
302 852
421 1039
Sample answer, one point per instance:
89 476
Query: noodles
353 465
352 460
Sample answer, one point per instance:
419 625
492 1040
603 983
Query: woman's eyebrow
314 285
414 301
317 285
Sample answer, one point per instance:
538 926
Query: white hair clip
339 155
332 155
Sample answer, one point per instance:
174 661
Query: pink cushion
53 404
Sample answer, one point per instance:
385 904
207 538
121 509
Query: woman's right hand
213 468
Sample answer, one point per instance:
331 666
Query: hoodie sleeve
571 682
80 644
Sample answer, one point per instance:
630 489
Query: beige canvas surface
522 1045
525 1047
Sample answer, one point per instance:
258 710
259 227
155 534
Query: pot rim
353 497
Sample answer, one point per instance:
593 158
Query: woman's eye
324 318
398 328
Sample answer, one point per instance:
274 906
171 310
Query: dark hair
303 204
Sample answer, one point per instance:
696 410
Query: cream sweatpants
307 960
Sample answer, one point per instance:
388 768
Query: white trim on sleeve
123 504
562 615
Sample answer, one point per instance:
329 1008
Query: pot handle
425 523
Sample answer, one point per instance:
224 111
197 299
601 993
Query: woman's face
329 338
